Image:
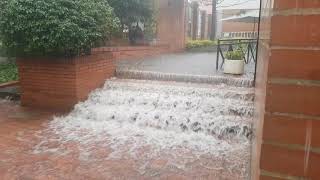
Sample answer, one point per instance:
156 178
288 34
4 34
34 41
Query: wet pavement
181 63
12 92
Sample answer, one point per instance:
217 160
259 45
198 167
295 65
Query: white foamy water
130 116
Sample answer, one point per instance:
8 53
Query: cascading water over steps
220 111
154 117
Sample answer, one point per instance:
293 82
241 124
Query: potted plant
52 43
234 62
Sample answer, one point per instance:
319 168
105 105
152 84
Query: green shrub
8 72
2 51
200 43
55 27
234 55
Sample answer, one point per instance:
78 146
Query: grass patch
8 72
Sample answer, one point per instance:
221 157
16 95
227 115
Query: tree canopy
59 27
130 11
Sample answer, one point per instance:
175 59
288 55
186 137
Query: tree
130 11
53 28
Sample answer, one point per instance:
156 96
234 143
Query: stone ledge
9 84
149 75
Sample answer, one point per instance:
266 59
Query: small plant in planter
234 62
52 40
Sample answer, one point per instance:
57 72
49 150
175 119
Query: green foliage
200 44
130 11
2 51
235 55
150 27
55 27
8 72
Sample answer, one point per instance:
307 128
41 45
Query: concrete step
217 79
188 89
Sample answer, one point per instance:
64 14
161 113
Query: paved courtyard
133 130
181 63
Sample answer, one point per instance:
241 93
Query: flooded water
157 118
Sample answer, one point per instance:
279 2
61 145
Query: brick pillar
204 32
209 25
171 23
288 92
195 19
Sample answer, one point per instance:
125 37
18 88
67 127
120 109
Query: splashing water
130 116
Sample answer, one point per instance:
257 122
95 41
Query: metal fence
247 46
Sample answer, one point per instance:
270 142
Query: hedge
55 27
200 43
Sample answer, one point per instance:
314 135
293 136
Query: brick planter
61 83
134 52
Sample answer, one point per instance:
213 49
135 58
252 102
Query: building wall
232 29
239 30
238 27
287 118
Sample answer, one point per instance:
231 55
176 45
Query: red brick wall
133 52
288 92
61 83
92 73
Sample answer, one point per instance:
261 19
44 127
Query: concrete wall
288 92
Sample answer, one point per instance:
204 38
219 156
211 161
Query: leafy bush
8 72
55 27
131 11
2 51
200 43
235 55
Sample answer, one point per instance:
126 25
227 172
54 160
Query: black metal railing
247 46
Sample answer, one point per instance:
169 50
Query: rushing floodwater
131 115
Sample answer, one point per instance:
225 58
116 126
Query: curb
9 84
149 75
